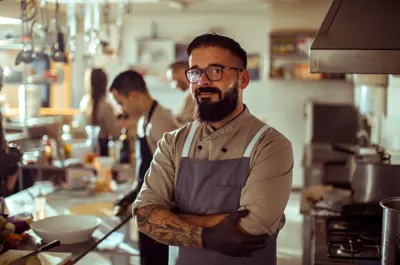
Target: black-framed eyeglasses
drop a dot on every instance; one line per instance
(213, 73)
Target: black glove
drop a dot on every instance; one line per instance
(14, 154)
(226, 238)
(11, 159)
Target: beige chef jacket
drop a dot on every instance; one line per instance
(161, 121)
(106, 118)
(186, 114)
(268, 186)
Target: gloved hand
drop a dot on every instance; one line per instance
(226, 238)
(121, 205)
(14, 154)
(11, 159)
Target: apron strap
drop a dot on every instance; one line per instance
(149, 115)
(253, 142)
(189, 139)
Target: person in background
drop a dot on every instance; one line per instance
(96, 110)
(176, 77)
(130, 91)
(10, 156)
(229, 173)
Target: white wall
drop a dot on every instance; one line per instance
(278, 102)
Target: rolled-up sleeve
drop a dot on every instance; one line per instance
(158, 186)
(268, 186)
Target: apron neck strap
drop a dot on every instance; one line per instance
(148, 118)
(253, 142)
(189, 139)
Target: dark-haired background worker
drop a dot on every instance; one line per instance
(130, 91)
(176, 77)
(229, 173)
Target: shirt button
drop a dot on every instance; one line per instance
(224, 150)
(199, 147)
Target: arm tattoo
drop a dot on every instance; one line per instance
(167, 228)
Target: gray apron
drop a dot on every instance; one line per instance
(206, 187)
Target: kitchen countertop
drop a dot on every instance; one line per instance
(319, 153)
(46, 111)
(33, 122)
(58, 203)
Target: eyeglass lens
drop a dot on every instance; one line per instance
(213, 73)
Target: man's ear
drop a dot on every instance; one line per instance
(132, 94)
(245, 78)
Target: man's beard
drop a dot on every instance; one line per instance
(207, 111)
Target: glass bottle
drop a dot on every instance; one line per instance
(92, 138)
(46, 142)
(125, 153)
(67, 141)
(40, 205)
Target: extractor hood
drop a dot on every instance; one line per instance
(358, 37)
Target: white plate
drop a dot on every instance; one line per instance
(69, 229)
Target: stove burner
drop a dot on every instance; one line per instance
(352, 246)
(340, 226)
(343, 225)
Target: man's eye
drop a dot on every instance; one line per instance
(216, 70)
(196, 72)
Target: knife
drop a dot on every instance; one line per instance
(51, 245)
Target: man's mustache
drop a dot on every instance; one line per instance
(207, 89)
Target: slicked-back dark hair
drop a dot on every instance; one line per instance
(129, 81)
(179, 64)
(215, 40)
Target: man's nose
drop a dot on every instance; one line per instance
(204, 81)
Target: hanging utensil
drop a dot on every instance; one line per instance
(58, 48)
(72, 28)
(106, 15)
(41, 29)
(120, 28)
(27, 55)
(95, 29)
(28, 9)
(87, 55)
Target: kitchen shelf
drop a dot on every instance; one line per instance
(289, 57)
(344, 81)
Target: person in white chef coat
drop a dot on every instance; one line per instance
(228, 172)
(177, 79)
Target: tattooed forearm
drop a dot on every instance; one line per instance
(167, 228)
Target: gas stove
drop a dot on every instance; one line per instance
(346, 240)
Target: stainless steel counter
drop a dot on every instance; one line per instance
(58, 203)
(316, 158)
(28, 133)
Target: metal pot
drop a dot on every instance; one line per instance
(371, 175)
(391, 231)
(373, 182)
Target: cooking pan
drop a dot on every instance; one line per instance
(378, 155)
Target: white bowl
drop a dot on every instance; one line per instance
(69, 229)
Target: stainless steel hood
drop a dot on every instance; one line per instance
(358, 37)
